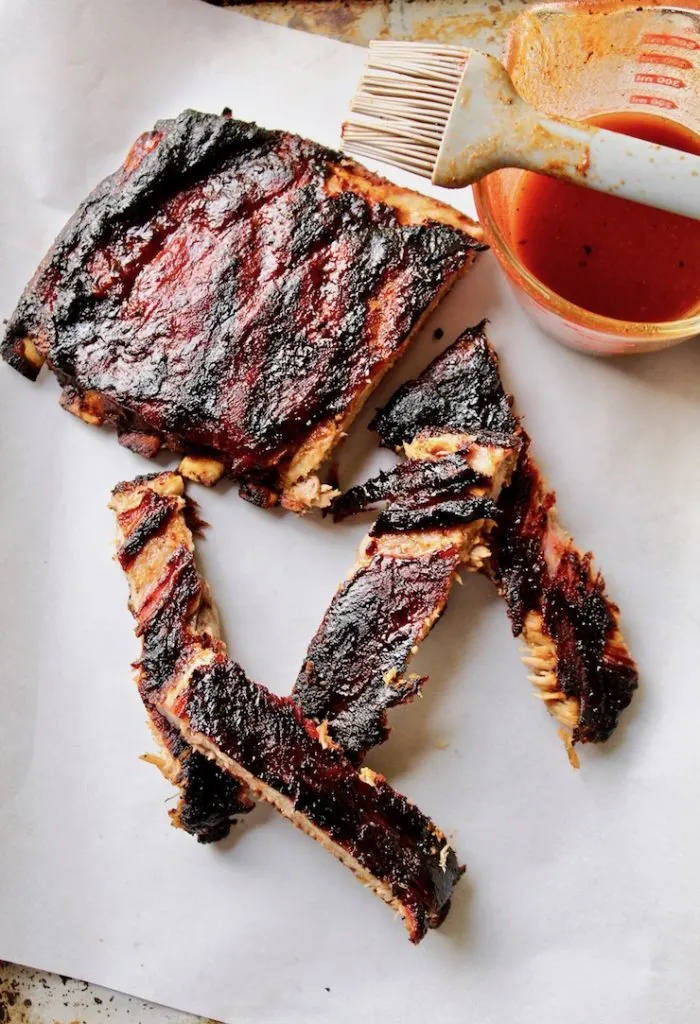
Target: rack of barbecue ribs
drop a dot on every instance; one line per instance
(580, 665)
(260, 742)
(440, 508)
(235, 294)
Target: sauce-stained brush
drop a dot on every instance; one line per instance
(453, 115)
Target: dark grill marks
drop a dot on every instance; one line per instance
(461, 389)
(421, 482)
(579, 660)
(593, 665)
(400, 518)
(437, 509)
(200, 703)
(166, 602)
(353, 671)
(423, 495)
(380, 831)
(151, 517)
(164, 622)
(216, 296)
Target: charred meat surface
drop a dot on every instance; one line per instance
(210, 801)
(440, 508)
(174, 614)
(257, 743)
(425, 493)
(235, 294)
(461, 389)
(265, 741)
(556, 600)
(578, 658)
(353, 670)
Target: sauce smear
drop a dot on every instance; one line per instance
(609, 255)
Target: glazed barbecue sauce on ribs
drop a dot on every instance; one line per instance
(217, 294)
(381, 612)
(463, 388)
(387, 835)
(210, 799)
(609, 255)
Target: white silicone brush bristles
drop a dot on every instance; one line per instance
(453, 115)
(403, 103)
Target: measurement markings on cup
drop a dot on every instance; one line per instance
(669, 60)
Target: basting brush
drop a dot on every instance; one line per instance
(453, 115)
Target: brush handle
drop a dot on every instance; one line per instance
(491, 127)
(617, 164)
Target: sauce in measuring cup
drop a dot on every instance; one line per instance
(608, 255)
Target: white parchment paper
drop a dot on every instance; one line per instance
(582, 901)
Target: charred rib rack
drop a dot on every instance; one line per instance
(579, 662)
(440, 510)
(235, 294)
(260, 742)
(174, 613)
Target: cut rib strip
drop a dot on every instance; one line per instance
(556, 600)
(235, 294)
(440, 510)
(173, 611)
(260, 741)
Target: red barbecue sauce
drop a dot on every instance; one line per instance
(609, 255)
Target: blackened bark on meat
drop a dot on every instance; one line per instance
(576, 612)
(403, 516)
(355, 665)
(229, 737)
(353, 671)
(422, 495)
(385, 834)
(518, 551)
(461, 389)
(219, 299)
(209, 799)
(422, 481)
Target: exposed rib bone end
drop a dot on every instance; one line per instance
(540, 657)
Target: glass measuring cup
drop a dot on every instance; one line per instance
(580, 60)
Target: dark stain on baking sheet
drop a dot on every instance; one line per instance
(14, 1008)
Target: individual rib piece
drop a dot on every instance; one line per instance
(441, 508)
(262, 742)
(174, 612)
(235, 294)
(578, 658)
(461, 389)
(579, 661)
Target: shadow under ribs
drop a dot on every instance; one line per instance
(440, 509)
(259, 741)
(235, 294)
(556, 600)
